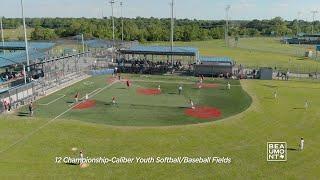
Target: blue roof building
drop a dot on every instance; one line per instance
(162, 50)
(16, 52)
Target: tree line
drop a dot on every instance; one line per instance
(158, 29)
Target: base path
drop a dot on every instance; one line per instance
(203, 112)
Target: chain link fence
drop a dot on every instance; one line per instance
(57, 73)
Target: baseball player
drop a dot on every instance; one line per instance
(301, 144)
(191, 104)
(180, 89)
(306, 105)
(114, 101)
(30, 109)
(81, 157)
(76, 97)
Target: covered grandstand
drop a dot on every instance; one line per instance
(156, 59)
(162, 59)
(162, 50)
(106, 44)
(13, 57)
(20, 57)
(15, 52)
(19, 45)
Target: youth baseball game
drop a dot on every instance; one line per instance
(127, 89)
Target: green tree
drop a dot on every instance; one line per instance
(41, 33)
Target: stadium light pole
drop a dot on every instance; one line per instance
(82, 39)
(113, 38)
(226, 34)
(172, 27)
(121, 5)
(25, 36)
(102, 15)
(298, 22)
(313, 19)
(24, 74)
(112, 3)
(2, 37)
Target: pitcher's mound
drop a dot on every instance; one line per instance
(85, 104)
(148, 91)
(203, 112)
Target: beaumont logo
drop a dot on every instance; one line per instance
(276, 151)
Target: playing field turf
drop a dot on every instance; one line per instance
(29, 146)
(135, 109)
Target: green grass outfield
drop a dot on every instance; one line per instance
(29, 154)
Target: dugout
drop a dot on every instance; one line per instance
(214, 66)
(156, 59)
(265, 73)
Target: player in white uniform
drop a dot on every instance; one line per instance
(192, 104)
(159, 88)
(115, 72)
(180, 89)
(229, 86)
(306, 104)
(200, 82)
(87, 96)
(275, 94)
(301, 144)
(76, 97)
(81, 158)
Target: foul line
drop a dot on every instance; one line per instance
(49, 122)
(62, 96)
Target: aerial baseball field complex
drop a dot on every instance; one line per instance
(124, 110)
